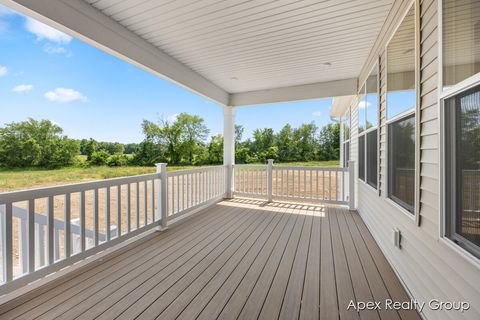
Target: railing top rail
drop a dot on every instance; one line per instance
(250, 166)
(313, 168)
(187, 171)
(277, 167)
(43, 192)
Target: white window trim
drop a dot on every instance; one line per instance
(377, 127)
(444, 94)
(415, 215)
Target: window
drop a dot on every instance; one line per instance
(346, 138)
(372, 158)
(361, 157)
(362, 111)
(462, 138)
(372, 99)
(461, 61)
(402, 161)
(346, 126)
(461, 40)
(367, 127)
(346, 158)
(401, 102)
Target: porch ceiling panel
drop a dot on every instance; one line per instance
(251, 45)
(231, 51)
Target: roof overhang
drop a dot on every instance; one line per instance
(295, 93)
(340, 105)
(219, 74)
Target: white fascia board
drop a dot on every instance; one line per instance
(296, 93)
(82, 21)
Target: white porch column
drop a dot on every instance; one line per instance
(229, 146)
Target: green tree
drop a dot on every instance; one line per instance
(89, 148)
(262, 139)
(36, 143)
(215, 149)
(194, 132)
(305, 142)
(286, 143)
(329, 142)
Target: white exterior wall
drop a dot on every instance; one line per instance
(429, 266)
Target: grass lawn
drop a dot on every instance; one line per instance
(17, 179)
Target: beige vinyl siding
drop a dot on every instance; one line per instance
(428, 266)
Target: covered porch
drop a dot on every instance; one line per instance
(237, 259)
(257, 241)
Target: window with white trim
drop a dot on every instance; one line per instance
(361, 157)
(346, 138)
(461, 113)
(401, 102)
(461, 40)
(367, 127)
(462, 151)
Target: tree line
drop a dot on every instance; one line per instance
(183, 141)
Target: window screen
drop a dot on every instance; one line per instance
(362, 111)
(461, 40)
(372, 158)
(401, 149)
(361, 157)
(462, 186)
(371, 99)
(346, 126)
(346, 153)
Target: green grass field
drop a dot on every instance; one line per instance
(18, 179)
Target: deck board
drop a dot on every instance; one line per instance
(240, 259)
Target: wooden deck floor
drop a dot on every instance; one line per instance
(239, 260)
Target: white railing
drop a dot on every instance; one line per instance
(40, 230)
(311, 184)
(250, 180)
(46, 229)
(188, 189)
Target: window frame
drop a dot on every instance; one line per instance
(365, 132)
(400, 203)
(377, 156)
(343, 140)
(415, 215)
(444, 94)
(451, 203)
(364, 137)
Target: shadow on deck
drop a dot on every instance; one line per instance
(239, 259)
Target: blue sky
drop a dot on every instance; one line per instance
(45, 74)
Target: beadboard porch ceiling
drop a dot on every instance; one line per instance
(235, 52)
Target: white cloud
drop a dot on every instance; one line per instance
(3, 71)
(317, 114)
(57, 50)
(172, 117)
(64, 95)
(42, 31)
(362, 104)
(23, 88)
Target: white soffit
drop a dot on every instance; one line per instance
(251, 45)
(228, 50)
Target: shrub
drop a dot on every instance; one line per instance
(117, 160)
(99, 158)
